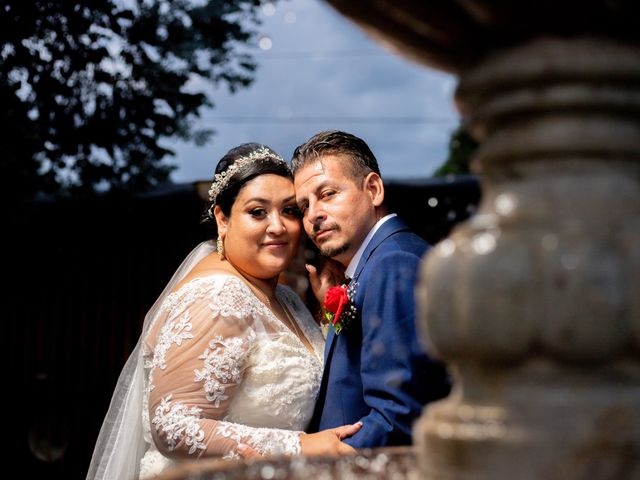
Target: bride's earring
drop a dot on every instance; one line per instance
(220, 247)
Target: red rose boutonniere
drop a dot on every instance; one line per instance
(337, 308)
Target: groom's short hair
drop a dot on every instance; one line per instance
(335, 142)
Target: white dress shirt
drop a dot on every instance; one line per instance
(351, 268)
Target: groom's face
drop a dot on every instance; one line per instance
(337, 212)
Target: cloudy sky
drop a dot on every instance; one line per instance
(318, 71)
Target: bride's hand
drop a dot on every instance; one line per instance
(329, 274)
(329, 442)
(326, 442)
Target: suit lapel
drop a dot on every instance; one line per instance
(331, 336)
(319, 407)
(387, 229)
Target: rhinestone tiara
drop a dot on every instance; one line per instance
(220, 180)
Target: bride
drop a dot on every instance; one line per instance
(229, 360)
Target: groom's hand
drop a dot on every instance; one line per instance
(329, 274)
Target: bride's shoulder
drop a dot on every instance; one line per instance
(208, 279)
(208, 272)
(205, 286)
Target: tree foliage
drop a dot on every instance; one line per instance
(461, 148)
(89, 89)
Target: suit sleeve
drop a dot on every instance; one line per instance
(397, 377)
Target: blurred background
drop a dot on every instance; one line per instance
(114, 116)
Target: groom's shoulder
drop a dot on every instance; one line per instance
(402, 248)
(399, 236)
(407, 241)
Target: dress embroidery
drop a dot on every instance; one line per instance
(223, 361)
(177, 421)
(265, 441)
(172, 332)
(253, 380)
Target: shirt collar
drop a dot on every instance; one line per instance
(351, 268)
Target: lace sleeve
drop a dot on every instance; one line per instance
(199, 360)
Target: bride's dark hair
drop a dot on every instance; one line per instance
(264, 160)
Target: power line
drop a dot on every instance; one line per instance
(353, 120)
(306, 55)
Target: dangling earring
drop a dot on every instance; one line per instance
(220, 247)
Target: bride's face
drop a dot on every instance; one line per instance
(263, 229)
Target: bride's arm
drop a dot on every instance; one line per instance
(199, 363)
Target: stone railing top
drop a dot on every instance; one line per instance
(453, 35)
(380, 463)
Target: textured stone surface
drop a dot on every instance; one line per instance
(388, 463)
(534, 301)
(454, 35)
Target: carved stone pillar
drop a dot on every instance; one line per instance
(535, 302)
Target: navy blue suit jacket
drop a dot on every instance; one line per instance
(375, 370)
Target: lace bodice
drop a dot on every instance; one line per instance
(222, 369)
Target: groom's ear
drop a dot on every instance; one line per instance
(221, 220)
(374, 187)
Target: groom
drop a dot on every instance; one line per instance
(375, 371)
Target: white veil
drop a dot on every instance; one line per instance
(121, 445)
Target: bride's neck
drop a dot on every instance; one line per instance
(266, 286)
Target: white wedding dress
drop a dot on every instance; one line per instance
(215, 368)
(224, 370)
